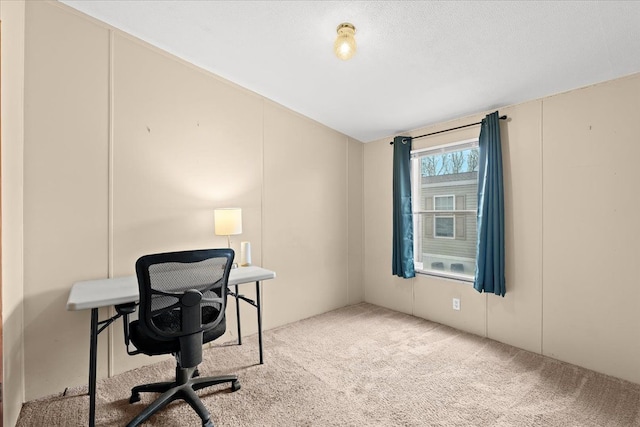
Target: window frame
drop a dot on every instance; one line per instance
(420, 214)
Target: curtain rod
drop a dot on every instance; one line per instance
(448, 130)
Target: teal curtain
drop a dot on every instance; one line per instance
(489, 275)
(402, 261)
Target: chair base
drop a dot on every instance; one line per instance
(184, 388)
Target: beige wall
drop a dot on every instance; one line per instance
(65, 197)
(315, 182)
(183, 143)
(128, 151)
(12, 15)
(571, 236)
(591, 148)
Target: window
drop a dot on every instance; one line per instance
(444, 184)
(443, 203)
(444, 226)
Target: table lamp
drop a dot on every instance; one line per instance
(227, 222)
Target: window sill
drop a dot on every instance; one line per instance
(447, 275)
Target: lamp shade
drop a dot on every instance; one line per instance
(227, 221)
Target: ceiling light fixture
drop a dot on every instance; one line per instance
(345, 45)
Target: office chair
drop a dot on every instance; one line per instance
(183, 296)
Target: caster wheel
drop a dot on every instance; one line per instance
(235, 385)
(207, 423)
(135, 397)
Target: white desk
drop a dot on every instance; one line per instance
(93, 294)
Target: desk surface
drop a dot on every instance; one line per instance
(120, 290)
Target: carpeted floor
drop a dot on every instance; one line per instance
(368, 366)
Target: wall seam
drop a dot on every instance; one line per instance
(362, 228)
(413, 295)
(22, 90)
(110, 337)
(542, 226)
(262, 190)
(486, 315)
(348, 234)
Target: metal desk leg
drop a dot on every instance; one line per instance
(259, 309)
(93, 350)
(238, 315)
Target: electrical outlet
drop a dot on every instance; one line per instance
(456, 303)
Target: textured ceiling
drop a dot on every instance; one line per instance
(418, 62)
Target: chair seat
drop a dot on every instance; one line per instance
(153, 347)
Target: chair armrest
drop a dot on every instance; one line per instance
(125, 310)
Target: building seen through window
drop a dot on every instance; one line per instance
(445, 195)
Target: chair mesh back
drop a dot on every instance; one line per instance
(166, 280)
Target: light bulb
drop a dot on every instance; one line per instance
(345, 45)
